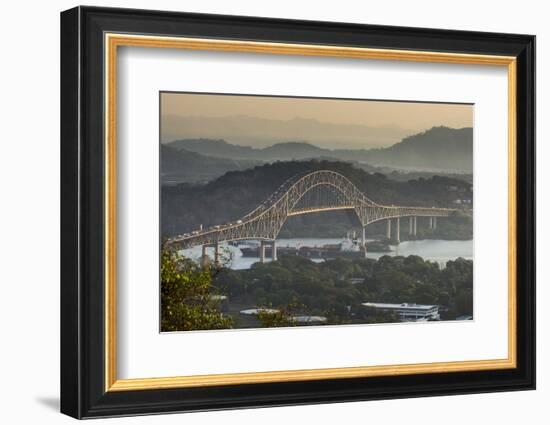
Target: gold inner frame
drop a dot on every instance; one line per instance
(113, 41)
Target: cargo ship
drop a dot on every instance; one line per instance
(349, 247)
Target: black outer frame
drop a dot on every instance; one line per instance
(82, 212)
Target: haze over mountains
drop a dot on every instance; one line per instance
(439, 149)
(180, 165)
(263, 132)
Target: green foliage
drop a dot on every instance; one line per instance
(326, 288)
(188, 297)
(282, 316)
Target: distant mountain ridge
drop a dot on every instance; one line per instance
(180, 165)
(439, 148)
(262, 132)
(217, 148)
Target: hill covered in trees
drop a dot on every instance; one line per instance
(184, 207)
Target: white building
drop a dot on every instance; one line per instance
(256, 311)
(407, 312)
(309, 319)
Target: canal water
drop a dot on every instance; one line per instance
(436, 250)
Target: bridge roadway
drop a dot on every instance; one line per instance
(317, 191)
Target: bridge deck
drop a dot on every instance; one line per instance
(315, 192)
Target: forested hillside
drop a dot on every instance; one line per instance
(228, 198)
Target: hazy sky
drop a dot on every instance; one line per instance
(388, 121)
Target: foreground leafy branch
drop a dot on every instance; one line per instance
(188, 298)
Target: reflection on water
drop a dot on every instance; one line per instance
(430, 249)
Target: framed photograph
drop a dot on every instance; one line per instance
(261, 212)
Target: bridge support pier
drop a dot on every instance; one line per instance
(431, 223)
(204, 256)
(274, 251)
(364, 240)
(262, 252)
(434, 224)
(410, 226)
(397, 229)
(388, 228)
(217, 253)
(414, 226)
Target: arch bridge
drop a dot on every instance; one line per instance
(317, 191)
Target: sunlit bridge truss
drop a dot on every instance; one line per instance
(317, 191)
